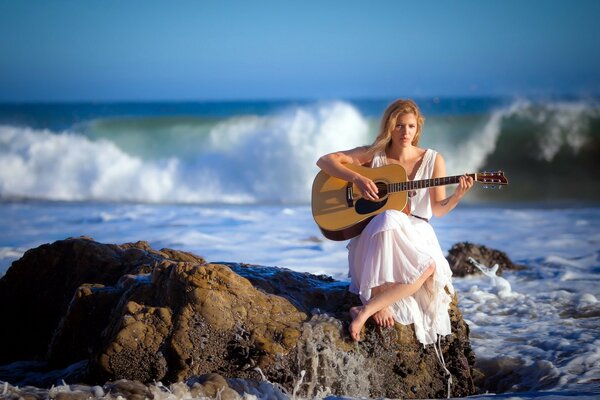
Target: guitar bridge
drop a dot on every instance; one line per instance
(350, 195)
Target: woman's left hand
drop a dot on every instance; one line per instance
(465, 183)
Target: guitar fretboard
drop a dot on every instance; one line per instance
(424, 183)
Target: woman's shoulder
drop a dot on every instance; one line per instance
(425, 153)
(360, 155)
(432, 157)
(362, 150)
(428, 152)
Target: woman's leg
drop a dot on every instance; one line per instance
(383, 317)
(391, 294)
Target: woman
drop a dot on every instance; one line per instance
(396, 264)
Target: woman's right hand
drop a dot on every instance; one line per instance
(368, 189)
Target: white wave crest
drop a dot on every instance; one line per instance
(274, 157)
(470, 156)
(554, 126)
(245, 159)
(560, 124)
(41, 164)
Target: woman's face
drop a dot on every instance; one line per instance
(405, 130)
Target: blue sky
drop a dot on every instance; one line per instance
(225, 50)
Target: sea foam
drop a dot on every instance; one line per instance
(243, 160)
(270, 158)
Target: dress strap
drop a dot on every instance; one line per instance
(379, 160)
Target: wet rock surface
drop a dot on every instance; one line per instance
(458, 258)
(130, 314)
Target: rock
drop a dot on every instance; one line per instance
(140, 315)
(41, 284)
(188, 319)
(310, 293)
(211, 386)
(459, 254)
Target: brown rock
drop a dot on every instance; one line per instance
(78, 331)
(169, 316)
(211, 386)
(191, 328)
(458, 258)
(37, 289)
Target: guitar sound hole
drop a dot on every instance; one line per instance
(363, 206)
(382, 187)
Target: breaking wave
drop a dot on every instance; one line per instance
(240, 159)
(271, 158)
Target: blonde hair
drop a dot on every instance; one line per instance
(388, 123)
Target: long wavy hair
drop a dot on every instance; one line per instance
(388, 123)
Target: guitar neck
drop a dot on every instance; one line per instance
(426, 183)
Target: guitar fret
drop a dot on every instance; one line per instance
(422, 184)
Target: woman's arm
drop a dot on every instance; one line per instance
(440, 204)
(333, 165)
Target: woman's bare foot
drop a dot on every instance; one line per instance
(384, 317)
(359, 317)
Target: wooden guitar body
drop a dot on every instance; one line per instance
(338, 207)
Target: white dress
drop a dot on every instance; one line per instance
(397, 248)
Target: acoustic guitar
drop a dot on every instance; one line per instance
(341, 213)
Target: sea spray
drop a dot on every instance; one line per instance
(126, 389)
(330, 369)
(501, 286)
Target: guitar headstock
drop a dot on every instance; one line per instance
(491, 179)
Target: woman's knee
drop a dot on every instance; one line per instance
(429, 271)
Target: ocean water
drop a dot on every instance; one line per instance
(231, 182)
(232, 153)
